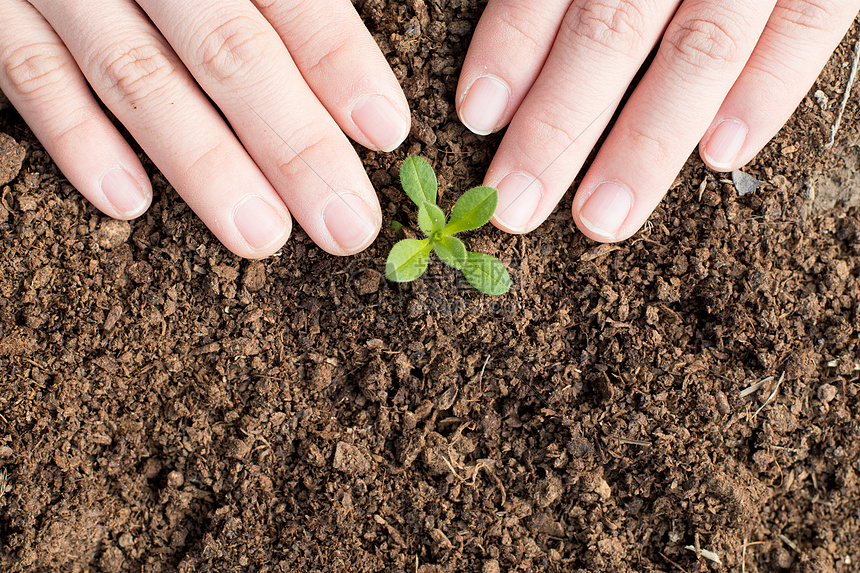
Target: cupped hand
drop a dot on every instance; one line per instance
(290, 77)
(727, 75)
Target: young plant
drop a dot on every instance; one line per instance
(409, 258)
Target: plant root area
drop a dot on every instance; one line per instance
(685, 397)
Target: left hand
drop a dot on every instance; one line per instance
(727, 75)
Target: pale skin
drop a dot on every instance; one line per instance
(300, 76)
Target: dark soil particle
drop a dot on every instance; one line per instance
(165, 406)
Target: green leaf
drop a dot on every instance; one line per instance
(407, 260)
(473, 210)
(431, 218)
(487, 274)
(396, 226)
(452, 251)
(418, 180)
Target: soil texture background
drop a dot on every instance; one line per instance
(165, 406)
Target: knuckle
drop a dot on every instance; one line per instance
(32, 68)
(135, 71)
(316, 61)
(264, 4)
(232, 49)
(817, 15)
(703, 44)
(547, 125)
(301, 156)
(520, 26)
(611, 24)
(646, 145)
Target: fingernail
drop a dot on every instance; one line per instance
(350, 222)
(607, 209)
(125, 193)
(380, 122)
(259, 223)
(519, 197)
(484, 106)
(723, 147)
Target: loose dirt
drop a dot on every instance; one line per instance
(165, 406)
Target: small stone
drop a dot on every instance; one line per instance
(126, 540)
(602, 489)
(826, 393)
(491, 566)
(12, 156)
(5, 452)
(723, 406)
(113, 233)
(112, 318)
(821, 99)
(175, 479)
(745, 184)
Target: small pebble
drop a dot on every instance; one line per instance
(745, 184)
(175, 479)
(827, 393)
(113, 233)
(722, 403)
(126, 540)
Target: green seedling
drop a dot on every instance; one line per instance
(409, 258)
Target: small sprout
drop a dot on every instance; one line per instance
(409, 258)
(396, 226)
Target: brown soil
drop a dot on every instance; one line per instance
(165, 406)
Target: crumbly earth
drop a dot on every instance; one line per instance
(165, 406)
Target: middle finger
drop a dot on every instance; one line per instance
(241, 62)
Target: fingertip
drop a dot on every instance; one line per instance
(352, 223)
(603, 214)
(263, 228)
(721, 147)
(484, 104)
(382, 123)
(127, 195)
(520, 196)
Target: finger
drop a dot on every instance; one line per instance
(701, 55)
(140, 79)
(344, 66)
(601, 46)
(508, 50)
(41, 79)
(798, 40)
(239, 60)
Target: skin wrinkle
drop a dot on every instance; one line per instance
(517, 23)
(135, 72)
(233, 50)
(816, 16)
(296, 163)
(702, 44)
(656, 146)
(619, 27)
(34, 65)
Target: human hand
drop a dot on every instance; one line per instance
(299, 70)
(727, 75)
